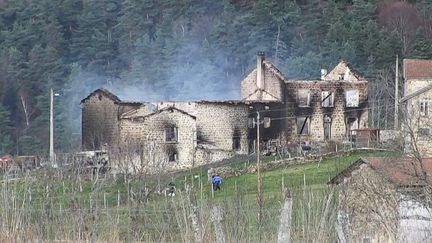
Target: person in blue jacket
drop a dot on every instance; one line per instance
(216, 181)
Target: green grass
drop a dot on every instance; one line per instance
(314, 175)
(41, 201)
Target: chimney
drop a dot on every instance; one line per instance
(260, 71)
(323, 73)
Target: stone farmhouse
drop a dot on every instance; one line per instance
(416, 118)
(385, 200)
(185, 134)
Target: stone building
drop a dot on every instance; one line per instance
(315, 110)
(185, 134)
(385, 200)
(416, 118)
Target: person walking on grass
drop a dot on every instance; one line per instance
(216, 181)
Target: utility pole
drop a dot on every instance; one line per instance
(51, 145)
(51, 141)
(259, 179)
(396, 115)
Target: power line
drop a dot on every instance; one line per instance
(324, 113)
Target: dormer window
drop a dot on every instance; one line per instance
(303, 98)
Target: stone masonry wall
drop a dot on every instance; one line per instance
(218, 123)
(248, 84)
(371, 204)
(99, 122)
(149, 132)
(341, 70)
(417, 122)
(338, 113)
(272, 85)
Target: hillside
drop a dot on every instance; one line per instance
(70, 206)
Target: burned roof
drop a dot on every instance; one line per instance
(104, 92)
(417, 69)
(276, 99)
(169, 108)
(236, 102)
(132, 103)
(403, 172)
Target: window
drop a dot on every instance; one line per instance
(327, 99)
(303, 98)
(171, 134)
(267, 122)
(352, 98)
(251, 122)
(424, 108)
(172, 157)
(352, 123)
(423, 131)
(303, 125)
(327, 127)
(236, 145)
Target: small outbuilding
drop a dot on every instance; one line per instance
(385, 200)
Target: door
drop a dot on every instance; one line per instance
(327, 127)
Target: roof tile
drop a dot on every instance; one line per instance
(417, 69)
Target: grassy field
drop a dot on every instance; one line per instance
(315, 175)
(54, 204)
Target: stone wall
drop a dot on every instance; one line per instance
(219, 122)
(417, 124)
(210, 137)
(338, 113)
(204, 155)
(371, 204)
(248, 85)
(342, 71)
(150, 131)
(272, 90)
(99, 122)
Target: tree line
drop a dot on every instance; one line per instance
(165, 49)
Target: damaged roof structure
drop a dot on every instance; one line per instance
(185, 134)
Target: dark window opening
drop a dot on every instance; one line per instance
(172, 157)
(303, 125)
(267, 122)
(327, 127)
(424, 108)
(423, 131)
(236, 144)
(303, 98)
(251, 122)
(171, 134)
(327, 99)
